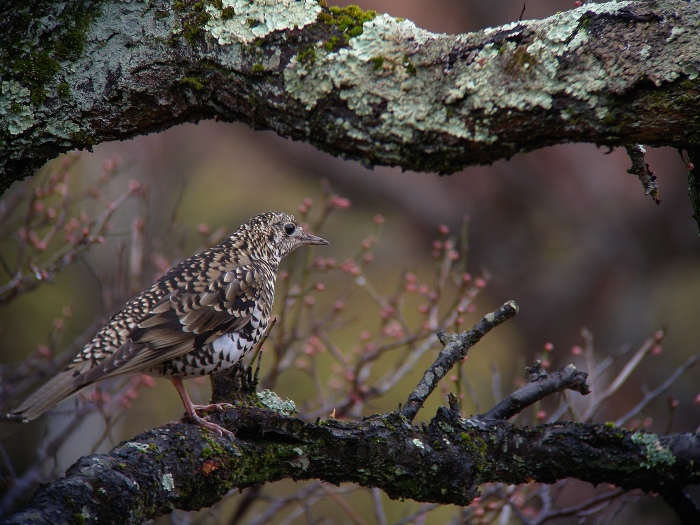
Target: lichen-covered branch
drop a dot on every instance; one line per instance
(185, 467)
(365, 86)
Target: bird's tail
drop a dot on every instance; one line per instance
(62, 386)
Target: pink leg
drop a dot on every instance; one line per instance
(191, 410)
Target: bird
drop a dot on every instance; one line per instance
(202, 316)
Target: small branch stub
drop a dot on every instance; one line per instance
(641, 169)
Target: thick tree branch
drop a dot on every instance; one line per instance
(182, 466)
(383, 92)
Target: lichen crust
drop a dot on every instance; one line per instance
(254, 19)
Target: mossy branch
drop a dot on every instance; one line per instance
(181, 466)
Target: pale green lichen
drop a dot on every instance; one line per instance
(656, 453)
(244, 21)
(276, 403)
(141, 447)
(16, 114)
(675, 32)
(64, 129)
(167, 482)
(399, 75)
(399, 83)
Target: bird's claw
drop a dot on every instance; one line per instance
(211, 426)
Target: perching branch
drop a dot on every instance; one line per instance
(356, 84)
(183, 466)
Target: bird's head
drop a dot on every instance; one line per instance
(276, 235)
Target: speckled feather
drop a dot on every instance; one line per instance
(202, 316)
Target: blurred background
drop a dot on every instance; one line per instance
(565, 231)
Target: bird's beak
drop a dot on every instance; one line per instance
(307, 238)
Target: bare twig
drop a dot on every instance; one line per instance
(455, 348)
(624, 374)
(540, 385)
(692, 361)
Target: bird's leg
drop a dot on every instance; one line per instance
(191, 410)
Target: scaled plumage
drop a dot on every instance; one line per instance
(202, 316)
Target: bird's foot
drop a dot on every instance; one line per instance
(219, 407)
(217, 429)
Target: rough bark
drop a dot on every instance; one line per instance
(367, 87)
(183, 466)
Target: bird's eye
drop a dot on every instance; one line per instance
(289, 228)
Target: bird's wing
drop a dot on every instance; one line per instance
(182, 321)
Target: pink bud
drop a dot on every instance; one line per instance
(340, 202)
(43, 351)
(134, 186)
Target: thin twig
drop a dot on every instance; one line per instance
(692, 361)
(540, 385)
